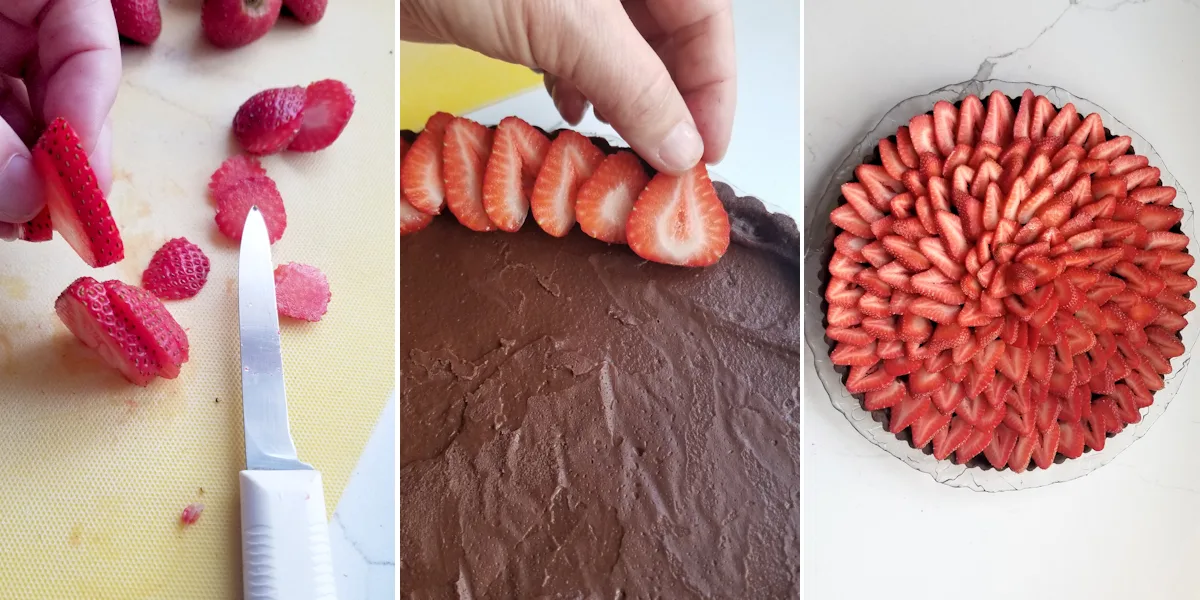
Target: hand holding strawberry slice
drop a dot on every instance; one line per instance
(679, 220)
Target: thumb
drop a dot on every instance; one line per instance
(609, 62)
(21, 196)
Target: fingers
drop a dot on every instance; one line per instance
(79, 66)
(567, 99)
(703, 63)
(22, 190)
(597, 49)
(8, 232)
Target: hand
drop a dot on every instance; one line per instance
(662, 72)
(58, 58)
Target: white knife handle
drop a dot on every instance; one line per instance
(285, 537)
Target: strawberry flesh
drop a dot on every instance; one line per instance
(679, 220)
(301, 291)
(328, 106)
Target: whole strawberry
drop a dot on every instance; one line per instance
(138, 20)
(235, 23)
(270, 120)
(306, 11)
(178, 270)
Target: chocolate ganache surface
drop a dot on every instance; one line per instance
(578, 422)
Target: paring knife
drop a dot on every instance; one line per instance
(285, 536)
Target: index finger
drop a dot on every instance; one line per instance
(704, 65)
(79, 64)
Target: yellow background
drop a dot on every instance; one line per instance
(94, 471)
(447, 78)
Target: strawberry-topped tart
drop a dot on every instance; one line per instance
(1008, 281)
(581, 414)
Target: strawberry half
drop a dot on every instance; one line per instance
(679, 220)
(156, 328)
(518, 151)
(234, 202)
(606, 199)
(76, 206)
(178, 270)
(421, 179)
(570, 161)
(301, 291)
(464, 160)
(328, 106)
(269, 120)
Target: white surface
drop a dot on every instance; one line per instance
(363, 530)
(874, 526)
(765, 148)
(285, 537)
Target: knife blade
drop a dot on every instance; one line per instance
(269, 444)
(285, 535)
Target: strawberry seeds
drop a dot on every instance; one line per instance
(1007, 281)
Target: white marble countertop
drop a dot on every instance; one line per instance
(873, 525)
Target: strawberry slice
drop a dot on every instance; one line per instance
(976, 441)
(927, 426)
(40, 229)
(328, 106)
(874, 306)
(951, 438)
(1111, 149)
(868, 378)
(893, 163)
(1072, 437)
(1047, 446)
(904, 146)
(411, 219)
(1159, 218)
(970, 120)
(86, 310)
(518, 151)
(920, 128)
(235, 201)
(999, 451)
(843, 316)
(1153, 195)
(891, 395)
(570, 161)
(76, 206)
(154, 325)
(907, 412)
(906, 252)
(923, 383)
(235, 169)
(269, 120)
(301, 291)
(998, 124)
(422, 182)
(606, 199)
(890, 349)
(1023, 451)
(465, 152)
(945, 126)
(679, 220)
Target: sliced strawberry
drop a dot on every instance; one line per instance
(882, 328)
(928, 425)
(235, 169)
(154, 326)
(606, 199)
(1023, 450)
(923, 137)
(934, 311)
(411, 219)
(1072, 437)
(235, 201)
(570, 160)
(890, 395)
(893, 163)
(679, 220)
(889, 349)
(1144, 177)
(951, 438)
(465, 154)
(1111, 149)
(907, 412)
(906, 253)
(40, 229)
(999, 451)
(945, 126)
(518, 151)
(881, 188)
(1154, 195)
(86, 310)
(970, 120)
(935, 285)
(904, 146)
(843, 267)
(77, 208)
(1159, 218)
(922, 382)
(843, 316)
(849, 244)
(874, 306)
(976, 441)
(1127, 163)
(867, 378)
(328, 106)
(177, 270)
(301, 291)
(269, 120)
(421, 179)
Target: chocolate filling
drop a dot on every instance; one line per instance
(578, 422)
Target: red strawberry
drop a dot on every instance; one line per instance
(1159, 218)
(880, 186)
(138, 20)
(233, 170)
(518, 151)
(234, 203)
(465, 153)
(906, 253)
(77, 208)
(890, 349)
(976, 441)
(886, 397)
(867, 378)
(907, 412)
(421, 180)
(1024, 115)
(970, 120)
(904, 146)
(86, 310)
(922, 382)
(235, 23)
(1047, 447)
(933, 310)
(1127, 163)
(154, 325)
(178, 270)
(935, 285)
(270, 119)
(301, 291)
(328, 106)
(411, 219)
(999, 451)
(843, 267)
(921, 130)
(843, 316)
(945, 126)
(998, 125)
(914, 328)
(893, 163)
(606, 199)
(1153, 195)
(1023, 451)
(570, 161)
(679, 220)
(843, 293)
(40, 229)
(855, 336)
(1111, 149)
(927, 426)
(306, 11)
(950, 438)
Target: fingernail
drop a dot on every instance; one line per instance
(682, 148)
(8, 232)
(22, 192)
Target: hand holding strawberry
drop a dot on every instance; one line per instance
(78, 71)
(662, 72)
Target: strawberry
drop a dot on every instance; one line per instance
(233, 170)
(890, 349)
(935, 285)
(1111, 149)
(177, 270)
(138, 21)
(945, 126)
(1024, 115)
(867, 378)
(914, 328)
(880, 186)
(1144, 177)
(40, 229)
(951, 438)
(843, 293)
(421, 180)
(1127, 163)
(301, 291)
(411, 219)
(235, 23)
(886, 397)
(855, 336)
(882, 328)
(518, 151)
(234, 202)
(904, 147)
(854, 355)
(465, 153)
(1159, 218)
(906, 253)
(154, 325)
(307, 12)
(86, 310)
(999, 451)
(921, 130)
(947, 398)
(923, 383)
(927, 426)
(970, 120)
(998, 124)
(191, 513)
(843, 267)
(328, 106)
(270, 119)
(907, 412)
(869, 279)
(893, 163)
(843, 316)
(679, 220)
(570, 161)
(1153, 195)
(857, 197)
(76, 206)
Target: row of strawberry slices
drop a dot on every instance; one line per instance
(494, 179)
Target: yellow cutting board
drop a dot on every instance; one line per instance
(450, 79)
(94, 471)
